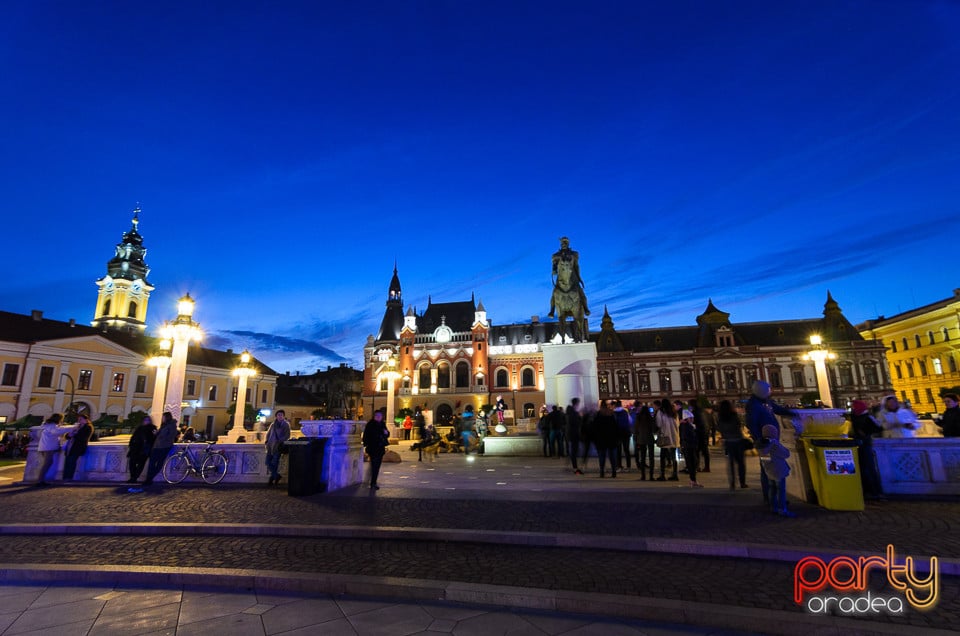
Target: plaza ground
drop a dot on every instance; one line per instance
(461, 545)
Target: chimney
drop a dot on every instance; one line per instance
(535, 319)
(229, 352)
(73, 322)
(36, 314)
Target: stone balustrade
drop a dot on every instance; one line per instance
(106, 461)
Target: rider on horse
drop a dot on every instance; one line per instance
(572, 257)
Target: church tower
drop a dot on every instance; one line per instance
(124, 291)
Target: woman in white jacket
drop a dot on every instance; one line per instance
(668, 438)
(49, 444)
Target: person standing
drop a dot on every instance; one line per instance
(574, 422)
(688, 444)
(138, 449)
(421, 423)
(774, 456)
(468, 422)
(277, 434)
(624, 433)
(897, 421)
(164, 441)
(863, 428)
(950, 420)
(49, 444)
(375, 439)
(762, 411)
(78, 446)
(701, 420)
(731, 431)
(643, 427)
(605, 436)
(558, 422)
(668, 437)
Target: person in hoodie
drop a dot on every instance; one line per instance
(773, 458)
(762, 411)
(897, 420)
(49, 444)
(467, 423)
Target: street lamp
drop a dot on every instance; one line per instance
(160, 360)
(181, 331)
(391, 375)
(242, 372)
(73, 394)
(820, 354)
(515, 403)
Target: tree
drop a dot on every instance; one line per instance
(249, 413)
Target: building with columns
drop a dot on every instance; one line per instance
(102, 369)
(923, 349)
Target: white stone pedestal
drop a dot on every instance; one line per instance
(569, 371)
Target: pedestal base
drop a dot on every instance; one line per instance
(569, 371)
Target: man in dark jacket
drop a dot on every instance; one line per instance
(166, 437)
(761, 411)
(558, 422)
(375, 439)
(863, 428)
(138, 449)
(950, 420)
(606, 437)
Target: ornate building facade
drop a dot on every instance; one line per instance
(719, 359)
(451, 355)
(124, 290)
(923, 350)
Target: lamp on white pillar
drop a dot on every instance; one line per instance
(820, 354)
(181, 331)
(161, 361)
(391, 375)
(242, 372)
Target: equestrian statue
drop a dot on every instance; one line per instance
(568, 299)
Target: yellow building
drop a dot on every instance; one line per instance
(923, 350)
(47, 365)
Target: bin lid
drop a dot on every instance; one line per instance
(835, 443)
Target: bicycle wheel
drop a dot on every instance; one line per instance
(214, 468)
(176, 467)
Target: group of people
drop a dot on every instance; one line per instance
(49, 445)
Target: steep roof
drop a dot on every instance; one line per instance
(457, 315)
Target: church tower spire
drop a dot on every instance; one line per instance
(392, 322)
(124, 291)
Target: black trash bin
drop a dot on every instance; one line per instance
(305, 466)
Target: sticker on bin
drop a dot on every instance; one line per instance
(839, 461)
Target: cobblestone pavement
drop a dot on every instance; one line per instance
(516, 496)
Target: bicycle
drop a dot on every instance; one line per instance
(212, 468)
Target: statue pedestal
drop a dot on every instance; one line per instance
(569, 371)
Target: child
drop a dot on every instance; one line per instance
(773, 456)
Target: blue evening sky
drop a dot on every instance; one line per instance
(286, 154)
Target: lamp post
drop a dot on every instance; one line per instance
(181, 331)
(161, 360)
(242, 372)
(391, 374)
(515, 404)
(820, 354)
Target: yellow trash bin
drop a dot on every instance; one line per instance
(835, 472)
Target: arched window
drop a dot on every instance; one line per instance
(930, 336)
(463, 374)
(132, 310)
(893, 346)
(666, 382)
(443, 376)
(952, 364)
(106, 307)
(424, 377)
(503, 378)
(916, 338)
(643, 381)
(527, 378)
(946, 334)
(906, 347)
(623, 382)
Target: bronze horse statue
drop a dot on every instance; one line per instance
(567, 302)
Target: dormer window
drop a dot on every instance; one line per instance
(443, 334)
